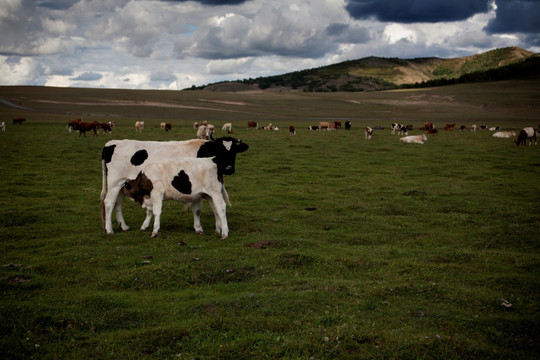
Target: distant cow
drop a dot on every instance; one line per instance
(348, 125)
(504, 134)
(205, 132)
(368, 132)
(414, 139)
(139, 126)
(189, 180)
(18, 121)
(432, 131)
(399, 127)
(3, 126)
(326, 125)
(106, 127)
(427, 126)
(292, 130)
(124, 159)
(474, 127)
(337, 125)
(494, 128)
(253, 124)
(462, 128)
(524, 134)
(313, 127)
(449, 127)
(227, 127)
(84, 126)
(71, 124)
(167, 126)
(483, 126)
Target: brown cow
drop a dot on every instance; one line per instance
(253, 124)
(449, 127)
(292, 130)
(71, 124)
(83, 127)
(106, 127)
(18, 121)
(167, 126)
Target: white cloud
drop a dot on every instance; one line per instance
(170, 44)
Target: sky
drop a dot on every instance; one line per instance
(173, 45)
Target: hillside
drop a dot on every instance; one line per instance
(376, 73)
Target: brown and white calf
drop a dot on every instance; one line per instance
(369, 133)
(414, 139)
(124, 159)
(167, 126)
(524, 134)
(188, 180)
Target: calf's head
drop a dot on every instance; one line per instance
(224, 151)
(139, 188)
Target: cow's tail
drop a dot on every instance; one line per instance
(225, 195)
(103, 191)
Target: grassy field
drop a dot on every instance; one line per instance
(339, 248)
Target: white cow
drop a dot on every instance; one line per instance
(3, 126)
(124, 159)
(187, 180)
(414, 139)
(206, 132)
(504, 134)
(227, 127)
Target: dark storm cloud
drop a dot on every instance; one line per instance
(213, 2)
(87, 76)
(411, 11)
(516, 16)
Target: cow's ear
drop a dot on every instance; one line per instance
(241, 147)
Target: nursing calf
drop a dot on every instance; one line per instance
(188, 180)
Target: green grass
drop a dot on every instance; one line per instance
(339, 248)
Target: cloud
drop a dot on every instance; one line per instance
(516, 16)
(87, 76)
(412, 11)
(285, 28)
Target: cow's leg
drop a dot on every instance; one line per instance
(216, 215)
(157, 203)
(196, 207)
(118, 212)
(113, 201)
(220, 213)
(146, 222)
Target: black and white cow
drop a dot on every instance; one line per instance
(188, 180)
(399, 127)
(124, 159)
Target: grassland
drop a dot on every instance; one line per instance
(339, 248)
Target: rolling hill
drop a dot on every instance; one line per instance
(376, 73)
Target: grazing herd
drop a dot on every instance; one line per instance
(151, 172)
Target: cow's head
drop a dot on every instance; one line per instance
(224, 150)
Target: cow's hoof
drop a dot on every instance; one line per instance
(224, 237)
(126, 229)
(200, 232)
(153, 235)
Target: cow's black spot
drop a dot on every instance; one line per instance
(181, 182)
(139, 157)
(107, 153)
